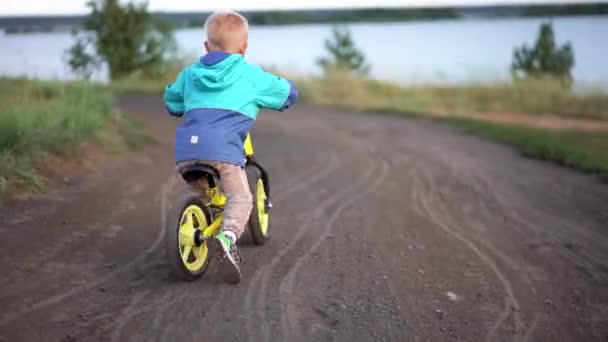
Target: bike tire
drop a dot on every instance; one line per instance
(259, 220)
(172, 235)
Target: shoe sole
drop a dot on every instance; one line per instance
(229, 270)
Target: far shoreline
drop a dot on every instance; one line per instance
(20, 24)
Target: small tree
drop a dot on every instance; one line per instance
(545, 58)
(82, 62)
(343, 53)
(125, 36)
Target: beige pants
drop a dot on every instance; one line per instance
(233, 183)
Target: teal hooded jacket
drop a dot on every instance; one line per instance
(219, 98)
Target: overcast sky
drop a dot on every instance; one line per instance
(46, 7)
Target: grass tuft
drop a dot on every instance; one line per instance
(39, 118)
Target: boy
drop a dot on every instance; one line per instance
(220, 97)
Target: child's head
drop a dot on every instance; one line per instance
(227, 31)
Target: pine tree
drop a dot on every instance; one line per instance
(545, 58)
(343, 53)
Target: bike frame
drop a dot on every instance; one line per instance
(218, 199)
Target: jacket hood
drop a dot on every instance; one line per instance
(217, 70)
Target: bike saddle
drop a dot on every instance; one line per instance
(193, 173)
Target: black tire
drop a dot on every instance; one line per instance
(255, 228)
(172, 237)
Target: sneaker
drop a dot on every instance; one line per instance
(228, 255)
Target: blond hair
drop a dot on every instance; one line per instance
(226, 30)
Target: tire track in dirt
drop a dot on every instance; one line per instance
(428, 204)
(262, 278)
(321, 168)
(531, 233)
(527, 335)
(166, 189)
(481, 185)
(300, 184)
(42, 256)
(58, 298)
(289, 321)
(486, 195)
(562, 230)
(117, 325)
(328, 169)
(133, 303)
(320, 174)
(167, 334)
(294, 184)
(492, 185)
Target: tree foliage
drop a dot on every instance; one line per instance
(544, 58)
(343, 54)
(80, 59)
(124, 36)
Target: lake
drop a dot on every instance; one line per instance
(447, 52)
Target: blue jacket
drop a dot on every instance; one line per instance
(219, 98)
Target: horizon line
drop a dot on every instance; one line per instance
(301, 7)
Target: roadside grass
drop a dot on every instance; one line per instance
(585, 151)
(343, 89)
(43, 118)
(136, 85)
(140, 82)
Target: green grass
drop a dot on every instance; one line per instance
(39, 118)
(525, 97)
(586, 151)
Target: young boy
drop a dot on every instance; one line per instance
(219, 97)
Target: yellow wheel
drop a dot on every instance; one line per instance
(187, 251)
(259, 220)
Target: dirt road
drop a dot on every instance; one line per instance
(384, 230)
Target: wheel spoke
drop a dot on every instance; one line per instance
(191, 220)
(186, 253)
(184, 237)
(189, 224)
(197, 252)
(186, 231)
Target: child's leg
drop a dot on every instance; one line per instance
(199, 186)
(239, 201)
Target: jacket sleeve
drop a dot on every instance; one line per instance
(274, 92)
(174, 96)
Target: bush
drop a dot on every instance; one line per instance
(125, 36)
(545, 59)
(343, 53)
